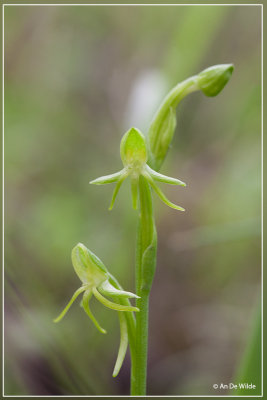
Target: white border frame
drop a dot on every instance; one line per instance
(132, 5)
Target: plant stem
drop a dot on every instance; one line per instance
(145, 268)
(147, 236)
(163, 125)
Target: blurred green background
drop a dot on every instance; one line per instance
(76, 78)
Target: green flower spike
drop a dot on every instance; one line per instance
(97, 281)
(133, 152)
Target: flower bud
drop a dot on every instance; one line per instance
(213, 79)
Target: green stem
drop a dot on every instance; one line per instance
(145, 268)
(163, 125)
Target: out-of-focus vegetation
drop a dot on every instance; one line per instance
(76, 78)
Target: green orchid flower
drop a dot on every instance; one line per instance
(97, 281)
(133, 151)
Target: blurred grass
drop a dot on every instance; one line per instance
(250, 366)
(70, 73)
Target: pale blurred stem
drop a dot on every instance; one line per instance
(250, 367)
(145, 267)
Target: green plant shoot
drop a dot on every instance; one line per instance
(142, 157)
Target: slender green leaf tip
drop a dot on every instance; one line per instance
(133, 148)
(212, 80)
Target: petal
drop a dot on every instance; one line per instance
(110, 304)
(117, 188)
(163, 178)
(107, 289)
(161, 195)
(74, 297)
(108, 178)
(86, 298)
(123, 344)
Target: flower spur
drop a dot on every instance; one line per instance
(97, 281)
(133, 151)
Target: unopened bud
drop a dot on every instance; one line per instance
(213, 79)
